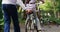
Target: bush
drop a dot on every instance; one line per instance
(1, 25)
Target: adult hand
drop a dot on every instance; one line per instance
(28, 11)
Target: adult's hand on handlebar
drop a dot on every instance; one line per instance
(28, 11)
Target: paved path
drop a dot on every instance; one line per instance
(53, 28)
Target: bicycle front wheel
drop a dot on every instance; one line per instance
(28, 26)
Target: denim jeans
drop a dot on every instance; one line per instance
(10, 11)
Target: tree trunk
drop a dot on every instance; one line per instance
(58, 14)
(55, 14)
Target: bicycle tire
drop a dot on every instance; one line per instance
(28, 24)
(36, 28)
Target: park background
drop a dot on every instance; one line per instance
(50, 9)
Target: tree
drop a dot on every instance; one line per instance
(51, 5)
(0, 11)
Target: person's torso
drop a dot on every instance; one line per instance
(31, 5)
(9, 2)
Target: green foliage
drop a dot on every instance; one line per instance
(47, 6)
(0, 11)
(1, 17)
(50, 6)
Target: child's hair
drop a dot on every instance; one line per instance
(27, 1)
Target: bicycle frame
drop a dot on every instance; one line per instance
(33, 17)
(33, 20)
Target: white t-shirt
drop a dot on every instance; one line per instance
(9, 2)
(31, 6)
(14, 2)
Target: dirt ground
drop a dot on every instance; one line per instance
(51, 28)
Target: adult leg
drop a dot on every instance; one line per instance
(14, 15)
(6, 19)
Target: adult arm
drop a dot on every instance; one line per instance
(21, 4)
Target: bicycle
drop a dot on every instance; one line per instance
(32, 23)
